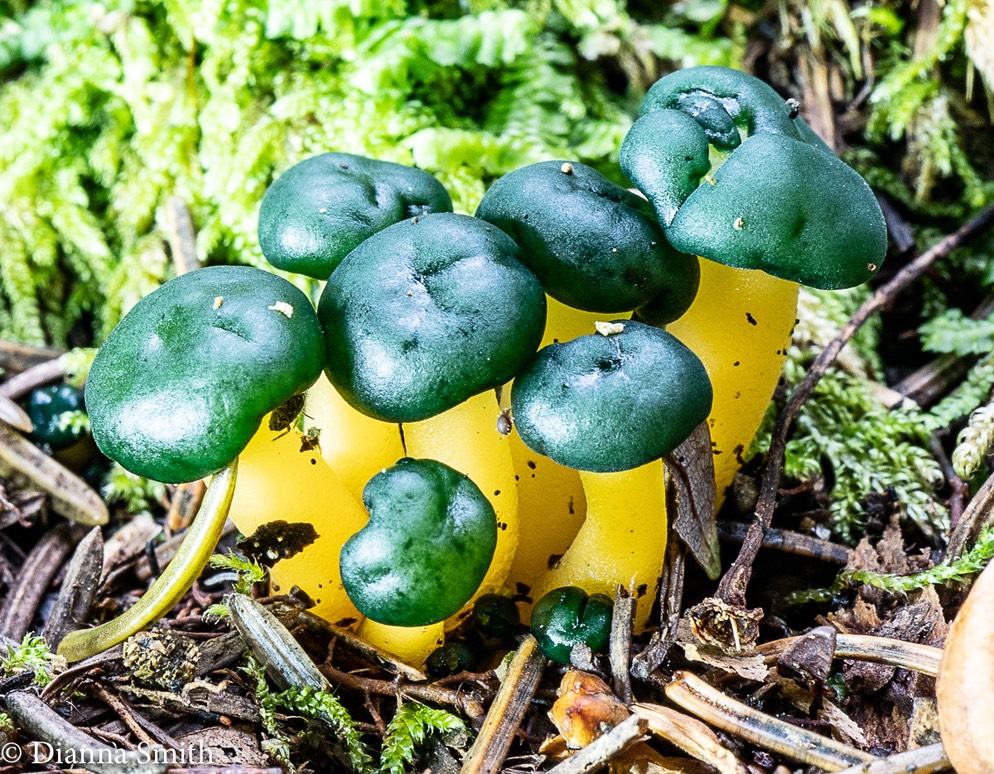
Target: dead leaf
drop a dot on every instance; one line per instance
(586, 709)
(690, 496)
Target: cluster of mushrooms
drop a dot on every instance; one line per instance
(435, 330)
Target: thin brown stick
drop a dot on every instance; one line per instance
(507, 711)
(40, 567)
(599, 753)
(79, 586)
(16, 357)
(923, 760)
(695, 696)
(864, 647)
(620, 646)
(462, 701)
(36, 376)
(732, 588)
(789, 542)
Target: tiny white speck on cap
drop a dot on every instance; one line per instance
(608, 329)
(283, 308)
(218, 300)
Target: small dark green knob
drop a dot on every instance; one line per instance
(593, 244)
(48, 406)
(496, 617)
(566, 617)
(428, 313)
(182, 383)
(322, 208)
(428, 545)
(611, 403)
(451, 659)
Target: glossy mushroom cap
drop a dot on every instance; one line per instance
(736, 176)
(594, 245)
(428, 313)
(429, 542)
(611, 403)
(182, 383)
(319, 210)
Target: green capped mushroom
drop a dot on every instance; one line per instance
(181, 384)
(428, 544)
(322, 208)
(428, 313)
(611, 405)
(52, 409)
(737, 176)
(567, 617)
(594, 245)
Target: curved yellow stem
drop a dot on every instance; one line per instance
(280, 481)
(622, 541)
(466, 438)
(174, 581)
(739, 326)
(356, 446)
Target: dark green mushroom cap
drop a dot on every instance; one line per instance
(428, 313)
(567, 617)
(736, 176)
(593, 245)
(48, 408)
(319, 210)
(182, 383)
(428, 545)
(611, 403)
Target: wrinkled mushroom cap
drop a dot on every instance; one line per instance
(428, 313)
(428, 545)
(320, 209)
(182, 383)
(594, 245)
(611, 403)
(737, 177)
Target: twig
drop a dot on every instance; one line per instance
(602, 750)
(620, 647)
(72, 606)
(14, 415)
(789, 542)
(286, 662)
(923, 760)
(732, 588)
(351, 642)
(715, 708)
(460, 700)
(691, 736)
(507, 711)
(36, 376)
(978, 514)
(40, 567)
(864, 647)
(71, 496)
(671, 607)
(20, 357)
(184, 505)
(182, 237)
(43, 723)
(123, 711)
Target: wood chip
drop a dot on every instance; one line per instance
(690, 498)
(488, 752)
(79, 586)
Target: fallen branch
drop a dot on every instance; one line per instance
(732, 588)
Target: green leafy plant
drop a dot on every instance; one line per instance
(32, 655)
(408, 729)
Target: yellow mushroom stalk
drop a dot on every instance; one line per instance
(280, 480)
(173, 583)
(551, 503)
(355, 445)
(466, 438)
(739, 325)
(622, 541)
